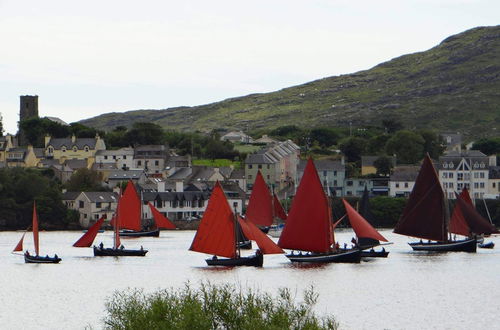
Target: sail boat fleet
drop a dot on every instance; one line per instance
(308, 232)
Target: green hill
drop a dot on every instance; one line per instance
(454, 86)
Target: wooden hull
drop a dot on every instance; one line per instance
(374, 254)
(110, 252)
(342, 256)
(29, 259)
(245, 245)
(489, 245)
(255, 260)
(148, 233)
(467, 245)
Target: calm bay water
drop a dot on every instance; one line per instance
(408, 290)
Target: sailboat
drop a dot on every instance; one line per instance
(308, 227)
(118, 249)
(88, 237)
(217, 235)
(425, 215)
(131, 222)
(260, 205)
(466, 221)
(37, 259)
(279, 212)
(367, 236)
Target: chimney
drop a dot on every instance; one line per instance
(179, 186)
(161, 187)
(73, 138)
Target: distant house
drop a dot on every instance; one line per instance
(122, 158)
(21, 157)
(73, 148)
(265, 140)
(5, 144)
(117, 176)
(238, 176)
(237, 136)
(94, 205)
(151, 158)
(494, 183)
(330, 172)
(453, 141)
(356, 186)
(402, 180)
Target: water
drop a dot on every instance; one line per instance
(407, 290)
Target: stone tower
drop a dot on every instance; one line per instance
(28, 109)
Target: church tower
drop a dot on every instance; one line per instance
(28, 109)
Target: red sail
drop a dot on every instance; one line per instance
(35, 230)
(88, 238)
(216, 232)
(129, 209)
(458, 225)
(477, 224)
(308, 226)
(279, 211)
(424, 215)
(19, 246)
(161, 221)
(252, 232)
(361, 227)
(260, 206)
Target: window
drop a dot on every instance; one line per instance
(334, 173)
(445, 175)
(81, 204)
(397, 184)
(259, 166)
(86, 149)
(406, 184)
(476, 175)
(105, 157)
(493, 184)
(481, 185)
(63, 149)
(268, 177)
(481, 175)
(349, 183)
(335, 182)
(268, 166)
(98, 205)
(450, 185)
(124, 156)
(476, 185)
(157, 162)
(467, 176)
(249, 176)
(96, 216)
(450, 175)
(324, 173)
(75, 149)
(139, 163)
(249, 166)
(460, 176)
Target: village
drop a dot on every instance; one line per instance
(180, 190)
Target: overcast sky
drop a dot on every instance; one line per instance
(85, 58)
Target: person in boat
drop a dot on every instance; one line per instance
(257, 252)
(101, 246)
(345, 246)
(337, 246)
(354, 242)
(214, 258)
(55, 256)
(142, 249)
(27, 253)
(122, 247)
(46, 256)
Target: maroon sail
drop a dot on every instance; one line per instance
(260, 206)
(458, 224)
(88, 238)
(477, 224)
(308, 226)
(424, 215)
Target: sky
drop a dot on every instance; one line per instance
(86, 58)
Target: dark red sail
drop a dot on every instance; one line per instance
(252, 232)
(35, 230)
(477, 224)
(216, 232)
(260, 206)
(308, 226)
(161, 221)
(88, 238)
(279, 211)
(129, 209)
(424, 215)
(361, 227)
(458, 225)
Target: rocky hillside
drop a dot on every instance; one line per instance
(454, 86)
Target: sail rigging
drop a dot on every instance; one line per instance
(311, 203)
(216, 232)
(88, 238)
(424, 215)
(476, 223)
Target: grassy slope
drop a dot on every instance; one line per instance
(451, 87)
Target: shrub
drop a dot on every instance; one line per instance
(213, 307)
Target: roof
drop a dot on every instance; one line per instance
(237, 174)
(124, 175)
(80, 143)
(175, 196)
(119, 152)
(405, 173)
(101, 196)
(322, 165)
(70, 195)
(104, 166)
(76, 163)
(181, 173)
(57, 120)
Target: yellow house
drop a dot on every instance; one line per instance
(5, 144)
(73, 148)
(21, 157)
(367, 164)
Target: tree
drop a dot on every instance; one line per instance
(1, 124)
(489, 146)
(377, 143)
(325, 137)
(383, 165)
(145, 133)
(433, 143)
(353, 147)
(85, 180)
(392, 125)
(407, 146)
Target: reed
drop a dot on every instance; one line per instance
(213, 307)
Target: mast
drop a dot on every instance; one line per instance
(35, 230)
(237, 249)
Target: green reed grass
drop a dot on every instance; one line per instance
(213, 307)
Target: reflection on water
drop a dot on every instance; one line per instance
(407, 290)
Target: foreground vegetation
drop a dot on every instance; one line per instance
(213, 307)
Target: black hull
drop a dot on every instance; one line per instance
(109, 252)
(29, 259)
(245, 245)
(265, 229)
(467, 245)
(374, 254)
(149, 233)
(489, 245)
(255, 260)
(342, 256)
